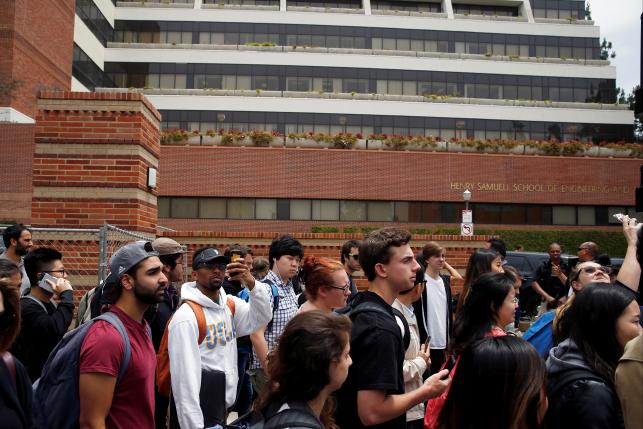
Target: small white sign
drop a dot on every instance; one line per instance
(466, 229)
(467, 216)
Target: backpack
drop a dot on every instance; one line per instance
(299, 415)
(163, 376)
(245, 295)
(556, 385)
(365, 307)
(540, 334)
(56, 398)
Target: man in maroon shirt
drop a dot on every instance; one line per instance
(130, 404)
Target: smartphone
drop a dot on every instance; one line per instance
(619, 216)
(235, 256)
(426, 343)
(44, 284)
(449, 366)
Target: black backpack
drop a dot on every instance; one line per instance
(298, 415)
(352, 310)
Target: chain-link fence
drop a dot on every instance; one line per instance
(86, 252)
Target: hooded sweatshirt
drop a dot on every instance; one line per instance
(585, 403)
(219, 349)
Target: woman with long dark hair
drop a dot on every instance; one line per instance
(491, 304)
(602, 319)
(500, 384)
(481, 261)
(15, 384)
(310, 362)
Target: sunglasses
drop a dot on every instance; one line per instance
(213, 266)
(592, 269)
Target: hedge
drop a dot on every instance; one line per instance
(612, 243)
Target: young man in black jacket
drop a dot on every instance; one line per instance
(43, 321)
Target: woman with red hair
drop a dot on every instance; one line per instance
(327, 285)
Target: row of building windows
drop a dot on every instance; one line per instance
(361, 81)
(356, 38)
(244, 2)
(86, 70)
(346, 4)
(558, 9)
(382, 211)
(479, 9)
(91, 15)
(445, 128)
(407, 6)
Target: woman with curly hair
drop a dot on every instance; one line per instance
(310, 362)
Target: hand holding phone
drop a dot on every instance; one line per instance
(427, 343)
(48, 282)
(449, 366)
(235, 256)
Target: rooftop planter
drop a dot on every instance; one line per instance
(394, 142)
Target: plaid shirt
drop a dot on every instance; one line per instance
(286, 311)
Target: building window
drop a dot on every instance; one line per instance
(266, 209)
(212, 208)
(352, 210)
(241, 208)
(586, 215)
(380, 211)
(300, 210)
(325, 210)
(564, 215)
(184, 208)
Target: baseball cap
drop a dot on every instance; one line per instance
(167, 246)
(209, 254)
(129, 255)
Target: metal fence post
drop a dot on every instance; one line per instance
(102, 256)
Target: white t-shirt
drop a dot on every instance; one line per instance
(436, 312)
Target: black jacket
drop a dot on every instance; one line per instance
(15, 401)
(41, 329)
(420, 308)
(579, 397)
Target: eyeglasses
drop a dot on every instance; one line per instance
(592, 269)
(344, 288)
(62, 271)
(583, 248)
(514, 300)
(213, 266)
(355, 256)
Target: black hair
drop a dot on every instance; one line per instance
(8, 268)
(592, 325)
(284, 245)
(13, 232)
(170, 260)
(346, 249)
(477, 316)
(39, 260)
(495, 370)
(376, 248)
(499, 246)
(479, 263)
(243, 250)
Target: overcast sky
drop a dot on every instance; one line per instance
(620, 23)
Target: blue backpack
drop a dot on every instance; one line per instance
(245, 295)
(540, 334)
(56, 398)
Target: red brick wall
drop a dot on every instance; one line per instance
(16, 145)
(103, 129)
(36, 48)
(399, 176)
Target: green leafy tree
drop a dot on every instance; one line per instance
(588, 12)
(607, 50)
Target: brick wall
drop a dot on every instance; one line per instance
(36, 48)
(16, 149)
(395, 176)
(91, 160)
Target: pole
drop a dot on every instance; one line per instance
(102, 254)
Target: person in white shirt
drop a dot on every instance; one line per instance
(434, 308)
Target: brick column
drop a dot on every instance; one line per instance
(91, 160)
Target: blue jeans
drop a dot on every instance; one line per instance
(244, 388)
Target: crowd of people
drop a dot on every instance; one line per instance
(288, 341)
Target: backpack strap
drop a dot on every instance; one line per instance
(368, 306)
(115, 321)
(231, 305)
(298, 415)
(200, 318)
(557, 385)
(274, 291)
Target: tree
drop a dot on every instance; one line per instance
(607, 51)
(627, 98)
(588, 12)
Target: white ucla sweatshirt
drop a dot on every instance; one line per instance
(219, 349)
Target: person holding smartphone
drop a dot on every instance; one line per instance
(416, 358)
(43, 322)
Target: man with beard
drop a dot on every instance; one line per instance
(226, 317)
(17, 242)
(104, 403)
